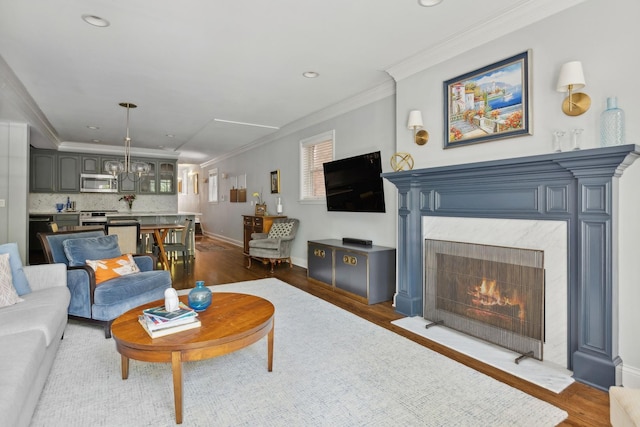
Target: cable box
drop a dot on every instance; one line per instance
(352, 241)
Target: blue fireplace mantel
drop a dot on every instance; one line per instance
(579, 187)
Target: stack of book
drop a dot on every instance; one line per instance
(158, 322)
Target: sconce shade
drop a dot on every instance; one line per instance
(571, 74)
(415, 119)
(428, 3)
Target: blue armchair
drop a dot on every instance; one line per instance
(102, 303)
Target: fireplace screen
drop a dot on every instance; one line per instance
(490, 292)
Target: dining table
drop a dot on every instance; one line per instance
(159, 233)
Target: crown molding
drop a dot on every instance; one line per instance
(521, 14)
(381, 91)
(25, 104)
(118, 151)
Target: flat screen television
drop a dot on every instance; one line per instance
(354, 184)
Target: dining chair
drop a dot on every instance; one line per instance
(128, 235)
(184, 244)
(53, 226)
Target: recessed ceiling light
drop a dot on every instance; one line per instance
(96, 21)
(169, 135)
(93, 127)
(95, 140)
(429, 3)
(310, 74)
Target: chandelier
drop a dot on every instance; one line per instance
(127, 167)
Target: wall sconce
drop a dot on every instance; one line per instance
(571, 79)
(415, 122)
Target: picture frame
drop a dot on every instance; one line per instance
(275, 181)
(490, 103)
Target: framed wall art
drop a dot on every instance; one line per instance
(275, 181)
(489, 103)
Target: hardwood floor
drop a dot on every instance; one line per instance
(585, 405)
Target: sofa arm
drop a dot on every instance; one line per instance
(44, 276)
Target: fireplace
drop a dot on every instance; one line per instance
(578, 188)
(490, 292)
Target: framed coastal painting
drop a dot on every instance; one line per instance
(489, 103)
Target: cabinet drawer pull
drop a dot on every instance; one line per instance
(319, 253)
(349, 260)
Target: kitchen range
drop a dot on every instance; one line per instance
(95, 217)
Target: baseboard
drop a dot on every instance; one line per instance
(223, 238)
(630, 376)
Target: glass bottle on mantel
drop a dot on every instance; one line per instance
(612, 124)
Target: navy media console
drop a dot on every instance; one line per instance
(365, 273)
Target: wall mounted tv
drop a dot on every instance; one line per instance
(354, 184)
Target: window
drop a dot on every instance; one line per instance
(314, 151)
(213, 185)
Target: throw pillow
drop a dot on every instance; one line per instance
(78, 251)
(19, 278)
(280, 229)
(107, 269)
(8, 294)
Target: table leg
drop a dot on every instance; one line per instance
(176, 368)
(159, 236)
(125, 367)
(270, 349)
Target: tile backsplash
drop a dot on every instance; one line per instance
(46, 202)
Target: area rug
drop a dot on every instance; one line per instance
(331, 368)
(545, 374)
(207, 246)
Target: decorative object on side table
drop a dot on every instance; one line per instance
(129, 198)
(200, 297)
(261, 207)
(612, 124)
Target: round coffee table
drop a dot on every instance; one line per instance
(233, 321)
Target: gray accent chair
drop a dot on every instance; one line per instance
(102, 303)
(274, 246)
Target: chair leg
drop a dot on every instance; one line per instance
(107, 329)
(249, 258)
(273, 264)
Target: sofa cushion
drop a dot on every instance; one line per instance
(8, 294)
(118, 295)
(43, 311)
(18, 372)
(107, 269)
(78, 251)
(19, 279)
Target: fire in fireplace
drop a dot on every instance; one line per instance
(490, 292)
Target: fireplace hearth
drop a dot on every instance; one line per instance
(490, 292)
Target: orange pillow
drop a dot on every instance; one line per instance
(107, 269)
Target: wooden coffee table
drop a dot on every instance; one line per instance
(233, 321)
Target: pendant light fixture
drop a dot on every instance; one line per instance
(128, 168)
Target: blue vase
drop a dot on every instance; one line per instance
(612, 124)
(200, 297)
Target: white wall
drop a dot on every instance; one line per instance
(14, 184)
(600, 34)
(188, 199)
(365, 129)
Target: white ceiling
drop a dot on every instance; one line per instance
(186, 63)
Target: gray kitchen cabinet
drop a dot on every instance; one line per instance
(68, 173)
(365, 273)
(91, 164)
(167, 177)
(43, 172)
(66, 219)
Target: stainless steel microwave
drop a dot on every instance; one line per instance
(93, 183)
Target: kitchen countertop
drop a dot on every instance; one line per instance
(115, 214)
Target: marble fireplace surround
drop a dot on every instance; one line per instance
(577, 187)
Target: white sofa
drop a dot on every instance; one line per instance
(30, 334)
(625, 406)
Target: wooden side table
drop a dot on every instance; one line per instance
(256, 224)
